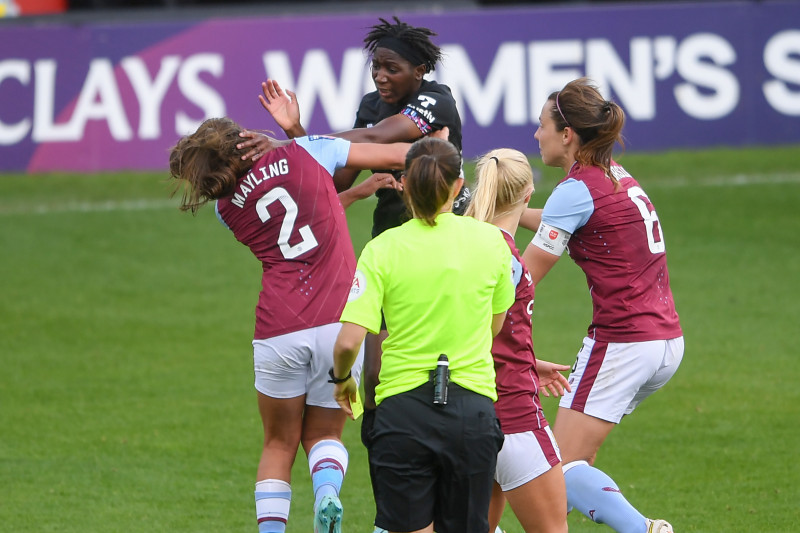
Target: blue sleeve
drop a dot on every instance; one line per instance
(569, 206)
(219, 216)
(516, 271)
(330, 152)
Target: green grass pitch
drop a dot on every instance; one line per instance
(126, 397)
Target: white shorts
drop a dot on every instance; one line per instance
(610, 379)
(525, 456)
(297, 363)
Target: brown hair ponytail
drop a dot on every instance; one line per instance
(432, 165)
(597, 122)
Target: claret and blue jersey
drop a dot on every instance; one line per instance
(286, 210)
(618, 242)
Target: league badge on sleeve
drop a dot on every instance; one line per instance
(358, 287)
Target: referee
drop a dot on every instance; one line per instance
(444, 284)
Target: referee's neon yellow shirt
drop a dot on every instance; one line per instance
(438, 288)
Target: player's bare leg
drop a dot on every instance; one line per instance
(540, 505)
(282, 419)
(496, 506)
(321, 423)
(579, 435)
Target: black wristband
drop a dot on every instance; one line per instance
(336, 380)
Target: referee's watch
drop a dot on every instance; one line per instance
(336, 380)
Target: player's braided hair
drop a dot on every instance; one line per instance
(418, 38)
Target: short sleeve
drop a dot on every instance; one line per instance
(219, 215)
(330, 152)
(364, 302)
(431, 111)
(569, 206)
(516, 271)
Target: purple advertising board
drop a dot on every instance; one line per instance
(105, 96)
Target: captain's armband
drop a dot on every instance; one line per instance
(551, 239)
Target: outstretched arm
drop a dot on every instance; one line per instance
(344, 177)
(396, 128)
(371, 155)
(282, 105)
(365, 189)
(388, 156)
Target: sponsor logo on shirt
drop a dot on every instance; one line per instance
(358, 286)
(425, 101)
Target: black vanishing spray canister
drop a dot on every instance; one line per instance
(441, 377)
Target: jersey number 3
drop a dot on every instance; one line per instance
(655, 239)
(308, 242)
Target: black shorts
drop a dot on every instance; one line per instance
(434, 463)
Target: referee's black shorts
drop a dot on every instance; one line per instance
(434, 463)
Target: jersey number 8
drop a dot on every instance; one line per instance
(655, 239)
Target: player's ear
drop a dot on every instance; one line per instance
(567, 136)
(419, 72)
(528, 197)
(456, 187)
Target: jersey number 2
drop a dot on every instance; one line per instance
(655, 239)
(279, 194)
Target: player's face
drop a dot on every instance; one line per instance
(395, 78)
(551, 141)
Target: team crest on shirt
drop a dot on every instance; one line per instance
(553, 235)
(358, 287)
